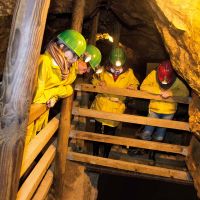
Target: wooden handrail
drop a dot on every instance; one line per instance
(130, 166)
(35, 111)
(131, 119)
(38, 142)
(130, 142)
(44, 187)
(129, 93)
(31, 183)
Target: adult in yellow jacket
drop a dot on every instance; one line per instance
(165, 83)
(56, 73)
(116, 76)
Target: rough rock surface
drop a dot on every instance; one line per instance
(78, 185)
(178, 23)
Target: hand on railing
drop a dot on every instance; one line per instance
(102, 83)
(131, 87)
(166, 94)
(51, 103)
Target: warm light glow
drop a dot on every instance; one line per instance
(118, 63)
(104, 36)
(99, 70)
(88, 58)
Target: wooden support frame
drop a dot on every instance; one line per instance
(31, 183)
(131, 119)
(36, 111)
(134, 167)
(130, 142)
(38, 143)
(28, 23)
(44, 187)
(62, 144)
(129, 93)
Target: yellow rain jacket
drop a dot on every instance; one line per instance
(151, 85)
(113, 103)
(49, 85)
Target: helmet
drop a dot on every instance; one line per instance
(165, 74)
(74, 40)
(117, 57)
(95, 56)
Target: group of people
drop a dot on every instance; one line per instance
(162, 81)
(69, 55)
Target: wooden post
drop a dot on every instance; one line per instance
(116, 33)
(77, 21)
(95, 22)
(78, 14)
(23, 51)
(62, 143)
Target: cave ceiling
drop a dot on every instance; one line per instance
(150, 30)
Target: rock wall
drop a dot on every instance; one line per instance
(179, 25)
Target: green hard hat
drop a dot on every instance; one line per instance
(74, 40)
(117, 57)
(95, 56)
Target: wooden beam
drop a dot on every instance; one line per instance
(131, 119)
(116, 32)
(62, 143)
(31, 183)
(36, 111)
(38, 143)
(78, 14)
(130, 142)
(94, 29)
(44, 187)
(129, 93)
(134, 167)
(23, 51)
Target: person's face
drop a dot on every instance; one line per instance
(82, 67)
(70, 55)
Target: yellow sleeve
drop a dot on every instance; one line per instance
(133, 80)
(150, 84)
(61, 91)
(180, 90)
(41, 80)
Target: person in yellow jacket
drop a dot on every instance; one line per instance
(57, 69)
(117, 76)
(164, 82)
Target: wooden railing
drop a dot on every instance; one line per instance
(39, 177)
(130, 142)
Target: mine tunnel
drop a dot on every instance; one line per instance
(85, 135)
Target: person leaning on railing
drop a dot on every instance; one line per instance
(118, 76)
(57, 69)
(164, 82)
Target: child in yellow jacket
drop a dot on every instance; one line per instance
(115, 76)
(165, 83)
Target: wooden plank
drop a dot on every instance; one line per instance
(134, 167)
(31, 183)
(131, 119)
(62, 143)
(36, 110)
(78, 14)
(130, 142)
(38, 143)
(129, 93)
(44, 187)
(28, 23)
